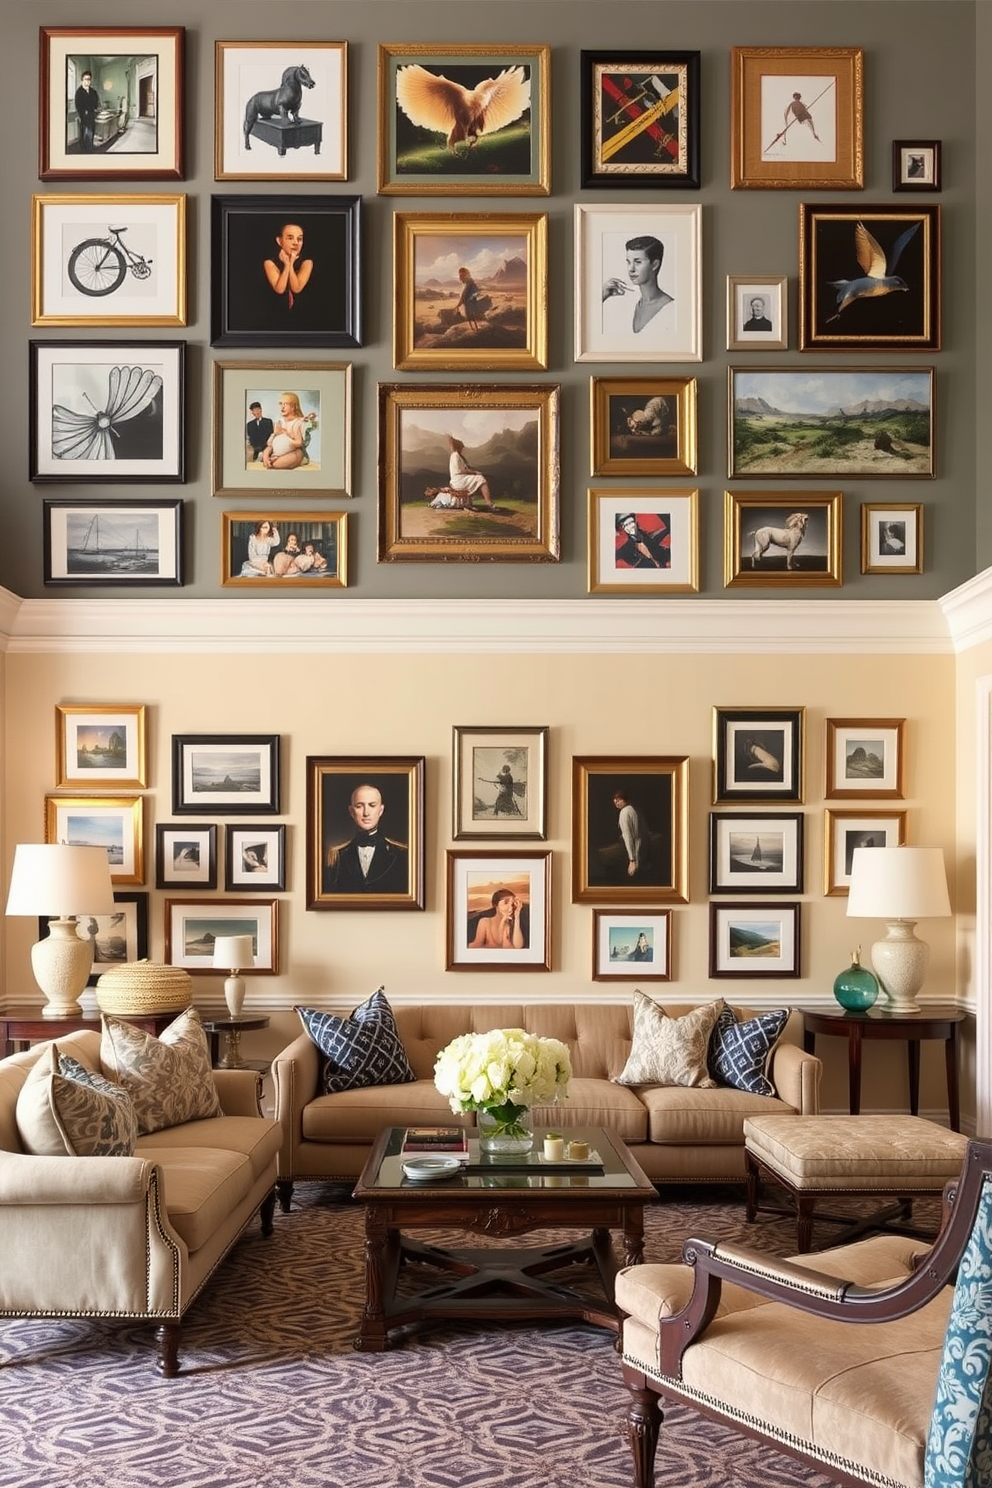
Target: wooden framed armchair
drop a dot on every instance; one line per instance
(868, 1360)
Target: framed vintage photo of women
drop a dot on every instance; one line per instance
(113, 545)
(108, 260)
(115, 823)
(285, 271)
(830, 422)
(106, 412)
(185, 855)
(254, 857)
(640, 119)
(282, 429)
(638, 277)
(891, 537)
(643, 541)
(916, 165)
(470, 291)
(758, 754)
(869, 279)
(225, 774)
(111, 103)
(789, 540)
(865, 758)
(499, 782)
(280, 111)
(468, 472)
(797, 118)
(756, 853)
(643, 425)
(464, 120)
(365, 832)
(121, 935)
(631, 946)
(629, 836)
(99, 745)
(192, 926)
(843, 831)
(757, 312)
(498, 911)
(291, 550)
(755, 940)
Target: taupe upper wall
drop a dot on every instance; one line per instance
(920, 68)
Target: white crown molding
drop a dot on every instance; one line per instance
(581, 627)
(968, 611)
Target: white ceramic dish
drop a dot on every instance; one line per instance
(422, 1169)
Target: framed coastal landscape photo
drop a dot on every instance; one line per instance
(115, 823)
(756, 853)
(225, 774)
(192, 926)
(281, 111)
(865, 758)
(100, 744)
(638, 273)
(113, 544)
(631, 945)
(755, 940)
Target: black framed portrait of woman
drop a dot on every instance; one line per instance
(285, 271)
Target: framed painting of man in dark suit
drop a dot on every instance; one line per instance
(365, 833)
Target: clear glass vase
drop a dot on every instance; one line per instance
(505, 1129)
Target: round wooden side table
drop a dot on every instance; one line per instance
(232, 1028)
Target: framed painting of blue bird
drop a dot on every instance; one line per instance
(869, 278)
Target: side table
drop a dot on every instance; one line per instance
(911, 1028)
(27, 1025)
(233, 1028)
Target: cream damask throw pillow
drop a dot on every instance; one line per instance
(65, 1110)
(169, 1078)
(669, 1051)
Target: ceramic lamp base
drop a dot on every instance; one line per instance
(61, 964)
(234, 995)
(900, 962)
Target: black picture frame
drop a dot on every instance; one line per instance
(185, 855)
(252, 790)
(243, 234)
(396, 879)
(254, 856)
(756, 852)
(624, 142)
(121, 557)
(755, 941)
(758, 754)
(120, 936)
(915, 165)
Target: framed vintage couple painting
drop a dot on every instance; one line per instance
(638, 275)
(282, 429)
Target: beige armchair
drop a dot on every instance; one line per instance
(872, 1365)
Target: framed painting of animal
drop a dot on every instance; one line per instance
(758, 754)
(111, 103)
(643, 425)
(797, 118)
(640, 119)
(869, 278)
(790, 540)
(464, 120)
(830, 423)
(915, 165)
(281, 111)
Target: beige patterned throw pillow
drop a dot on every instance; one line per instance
(64, 1110)
(669, 1051)
(168, 1078)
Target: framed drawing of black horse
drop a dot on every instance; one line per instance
(281, 111)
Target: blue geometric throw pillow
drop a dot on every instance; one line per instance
(738, 1052)
(362, 1050)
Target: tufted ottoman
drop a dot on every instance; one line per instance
(815, 1155)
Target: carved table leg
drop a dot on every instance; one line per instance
(633, 1236)
(373, 1337)
(644, 1418)
(167, 1335)
(805, 1204)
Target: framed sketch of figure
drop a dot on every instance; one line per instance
(637, 275)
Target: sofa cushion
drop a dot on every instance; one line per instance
(739, 1051)
(359, 1051)
(255, 1137)
(669, 1051)
(678, 1117)
(169, 1078)
(64, 1110)
(203, 1186)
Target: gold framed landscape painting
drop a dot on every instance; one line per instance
(457, 120)
(471, 291)
(468, 473)
(797, 118)
(643, 425)
(865, 758)
(115, 823)
(100, 744)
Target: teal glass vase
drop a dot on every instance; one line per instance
(856, 989)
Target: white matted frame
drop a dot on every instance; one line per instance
(115, 823)
(499, 782)
(254, 856)
(498, 911)
(891, 537)
(865, 758)
(192, 926)
(185, 855)
(628, 946)
(756, 853)
(100, 744)
(757, 312)
(617, 287)
(755, 940)
(643, 541)
(300, 132)
(843, 831)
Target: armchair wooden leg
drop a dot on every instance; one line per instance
(167, 1335)
(266, 1211)
(284, 1188)
(752, 1187)
(644, 1418)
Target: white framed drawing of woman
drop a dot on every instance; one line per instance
(637, 277)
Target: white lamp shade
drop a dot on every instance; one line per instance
(57, 879)
(234, 952)
(898, 883)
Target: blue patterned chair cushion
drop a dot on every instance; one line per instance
(364, 1049)
(738, 1052)
(65, 1110)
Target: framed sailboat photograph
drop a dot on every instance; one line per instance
(117, 544)
(760, 853)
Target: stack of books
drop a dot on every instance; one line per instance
(439, 1141)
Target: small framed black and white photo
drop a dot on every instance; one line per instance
(255, 857)
(756, 853)
(113, 544)
(916, 165)
(757, 312)
(185, 855)
(891, 537)
(225, 774)
(758, 754)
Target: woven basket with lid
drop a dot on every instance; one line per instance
(144, 987)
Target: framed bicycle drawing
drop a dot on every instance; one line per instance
(108, 260)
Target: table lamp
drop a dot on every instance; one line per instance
(233, 952)
(60, 880)
(900, 885)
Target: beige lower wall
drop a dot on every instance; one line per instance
(609, 705)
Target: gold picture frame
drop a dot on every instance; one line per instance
(100, 744)
(643, 541)
(291, 99)
(643, 425)
(113, 822)
(489, 314)
(843, 831)
(392, 789)
(318, 559)
(891, 537)
(865, 758)
(797, 118)
(782, 540)
(425, 519)
(605, 789)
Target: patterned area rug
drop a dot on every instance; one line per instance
(272, 1394)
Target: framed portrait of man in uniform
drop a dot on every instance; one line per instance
(365, 833)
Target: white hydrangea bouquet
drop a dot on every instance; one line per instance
(503, 1073)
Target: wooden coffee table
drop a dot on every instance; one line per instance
(498, 1282)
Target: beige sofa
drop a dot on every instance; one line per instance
(130, 1237)
(677, 1135)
